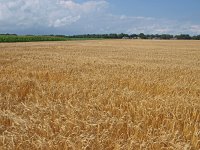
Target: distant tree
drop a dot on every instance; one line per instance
(142, 36)
(197, 37)
(133, 36)
(113, 36)
(166, 36)
(123, 35)
(183, 37)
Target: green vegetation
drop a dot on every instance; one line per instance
(135, 36)
(33, 38)
(15, 38)
(139, 36)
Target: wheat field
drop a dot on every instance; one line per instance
(100, 95)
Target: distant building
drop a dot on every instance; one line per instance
(173, 38)
(125, 37)
(156, 38)
(134, 38)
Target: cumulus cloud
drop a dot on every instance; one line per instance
(195, 28)
(139, 24)
(75, 17)
(64, 21)
(86, 7)
(45, 13)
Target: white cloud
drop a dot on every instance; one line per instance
(45, 13)
(89, 16)
(195, 28)
(86, 7)
(147, 25)
(64, 21)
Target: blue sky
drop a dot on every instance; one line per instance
(171, 9)
(99, 16)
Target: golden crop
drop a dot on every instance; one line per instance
(106, 94)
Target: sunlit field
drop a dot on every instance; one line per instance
(100, 95)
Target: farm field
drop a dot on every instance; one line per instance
(100, 95)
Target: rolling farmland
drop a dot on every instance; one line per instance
(100, 94)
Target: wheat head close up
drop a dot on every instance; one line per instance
(100, 95)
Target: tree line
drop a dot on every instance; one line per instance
(138, 36)
(15, 37)
(28, 38)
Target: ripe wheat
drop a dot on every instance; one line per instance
(107, 94)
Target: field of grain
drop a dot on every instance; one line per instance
(100, 95)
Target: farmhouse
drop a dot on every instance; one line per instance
(125, 37)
